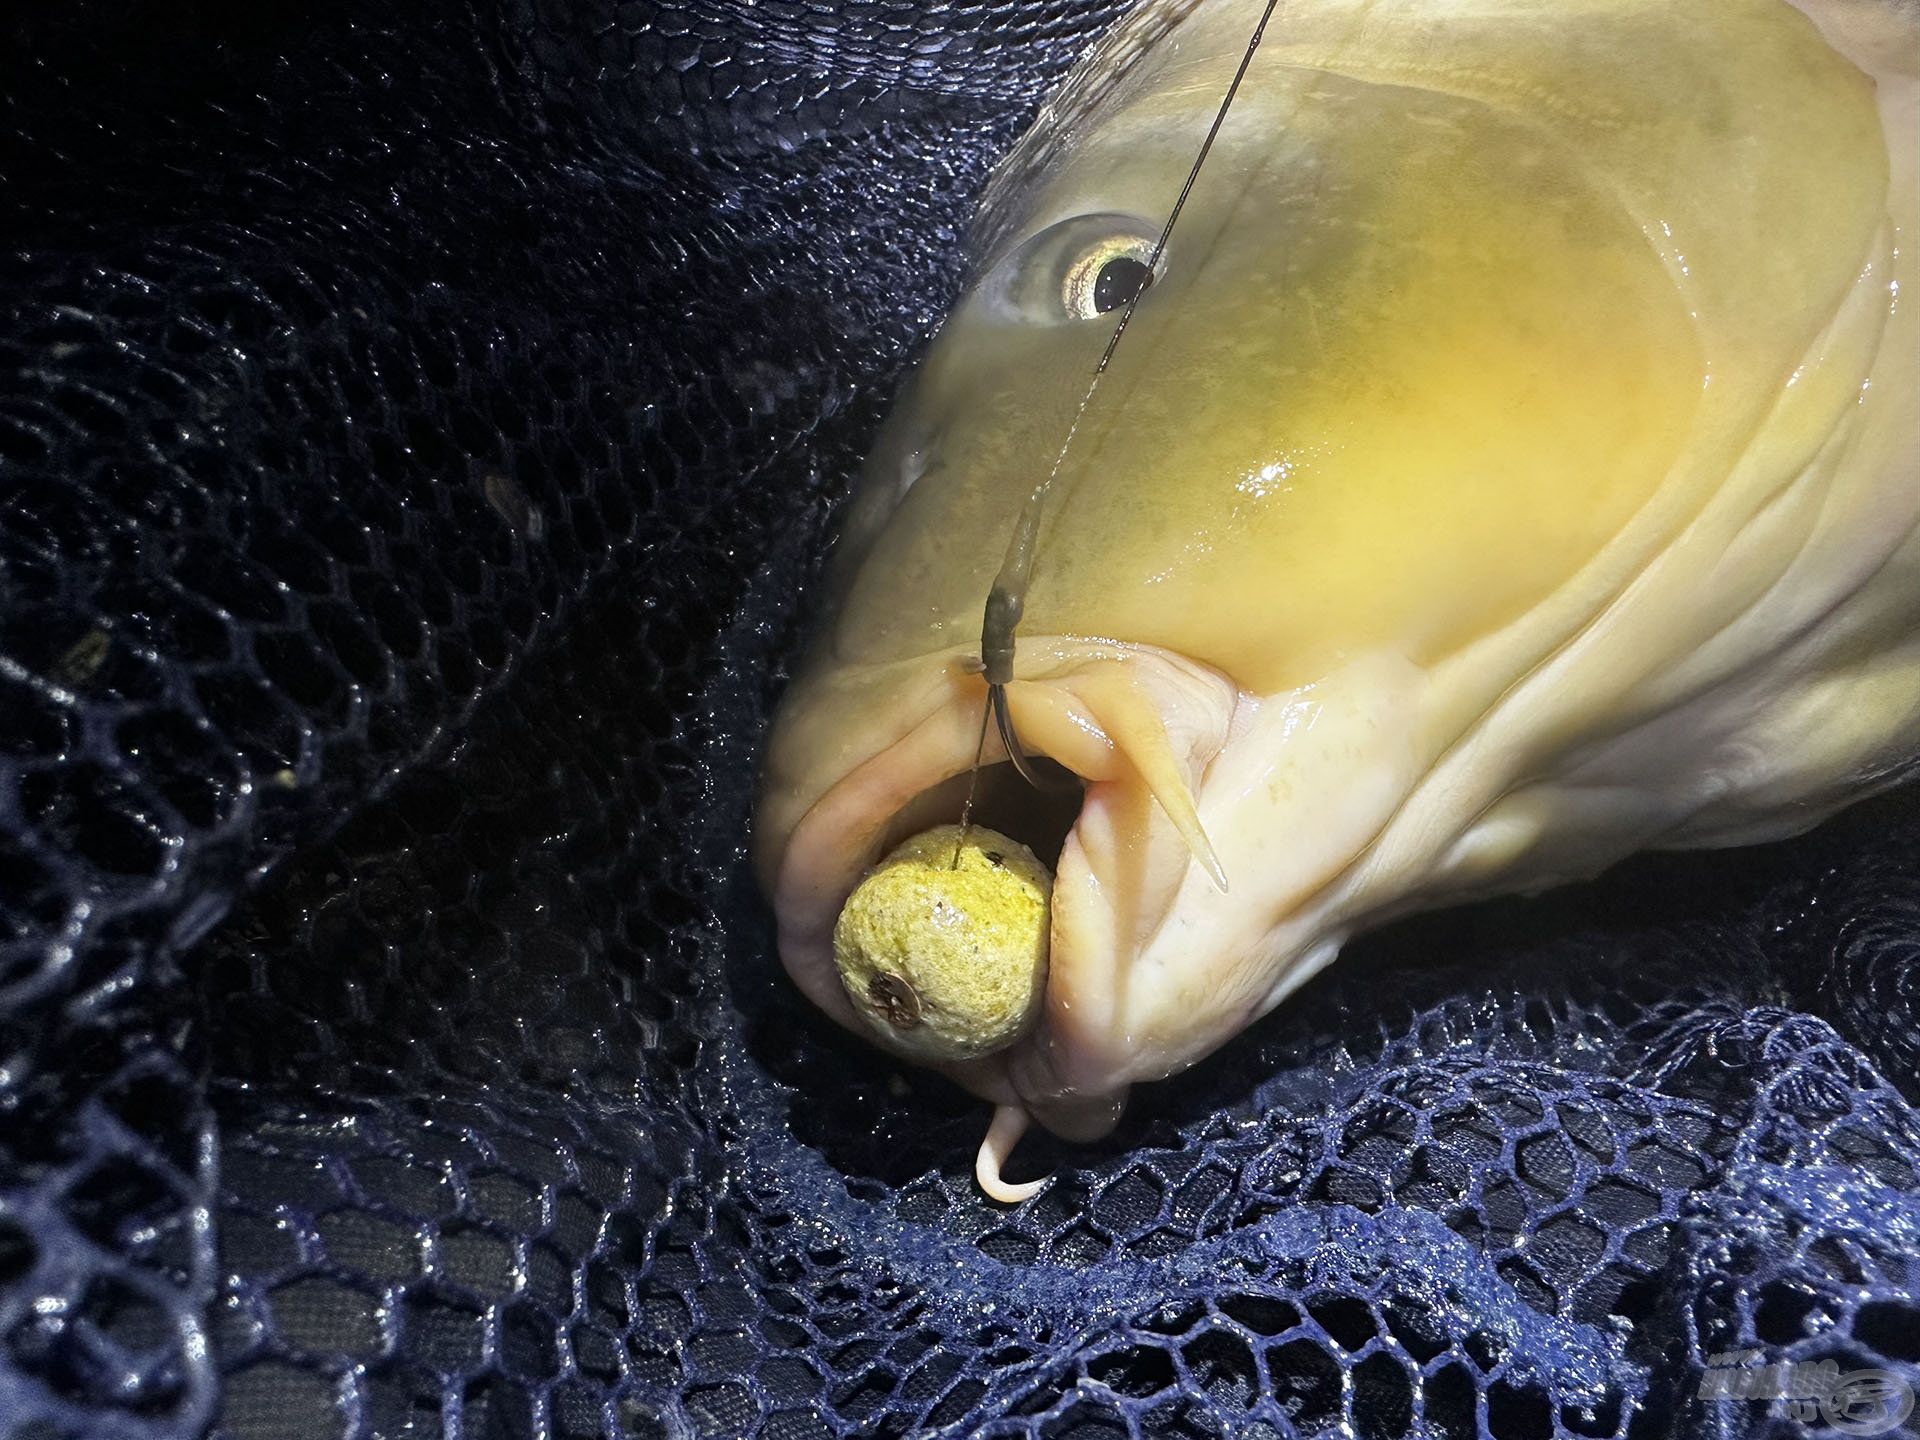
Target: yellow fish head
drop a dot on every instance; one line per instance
(1509, 465)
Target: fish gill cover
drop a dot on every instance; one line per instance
(417, 431)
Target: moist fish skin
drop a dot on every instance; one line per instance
(1514, 465)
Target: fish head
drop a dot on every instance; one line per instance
(1452, 428)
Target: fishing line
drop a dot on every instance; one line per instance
(1007, 597)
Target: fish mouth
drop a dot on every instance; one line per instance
(1120, 736)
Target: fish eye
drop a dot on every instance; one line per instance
(1078, 269)
(1107, 277)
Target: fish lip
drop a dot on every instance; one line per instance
(839, 835)
(845, 830)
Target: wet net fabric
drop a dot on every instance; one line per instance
(418, 430)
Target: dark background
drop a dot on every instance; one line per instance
(418, 426)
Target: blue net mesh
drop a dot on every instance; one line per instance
(417, 437)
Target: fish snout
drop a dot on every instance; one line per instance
(1191, 830)
(863, 759)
